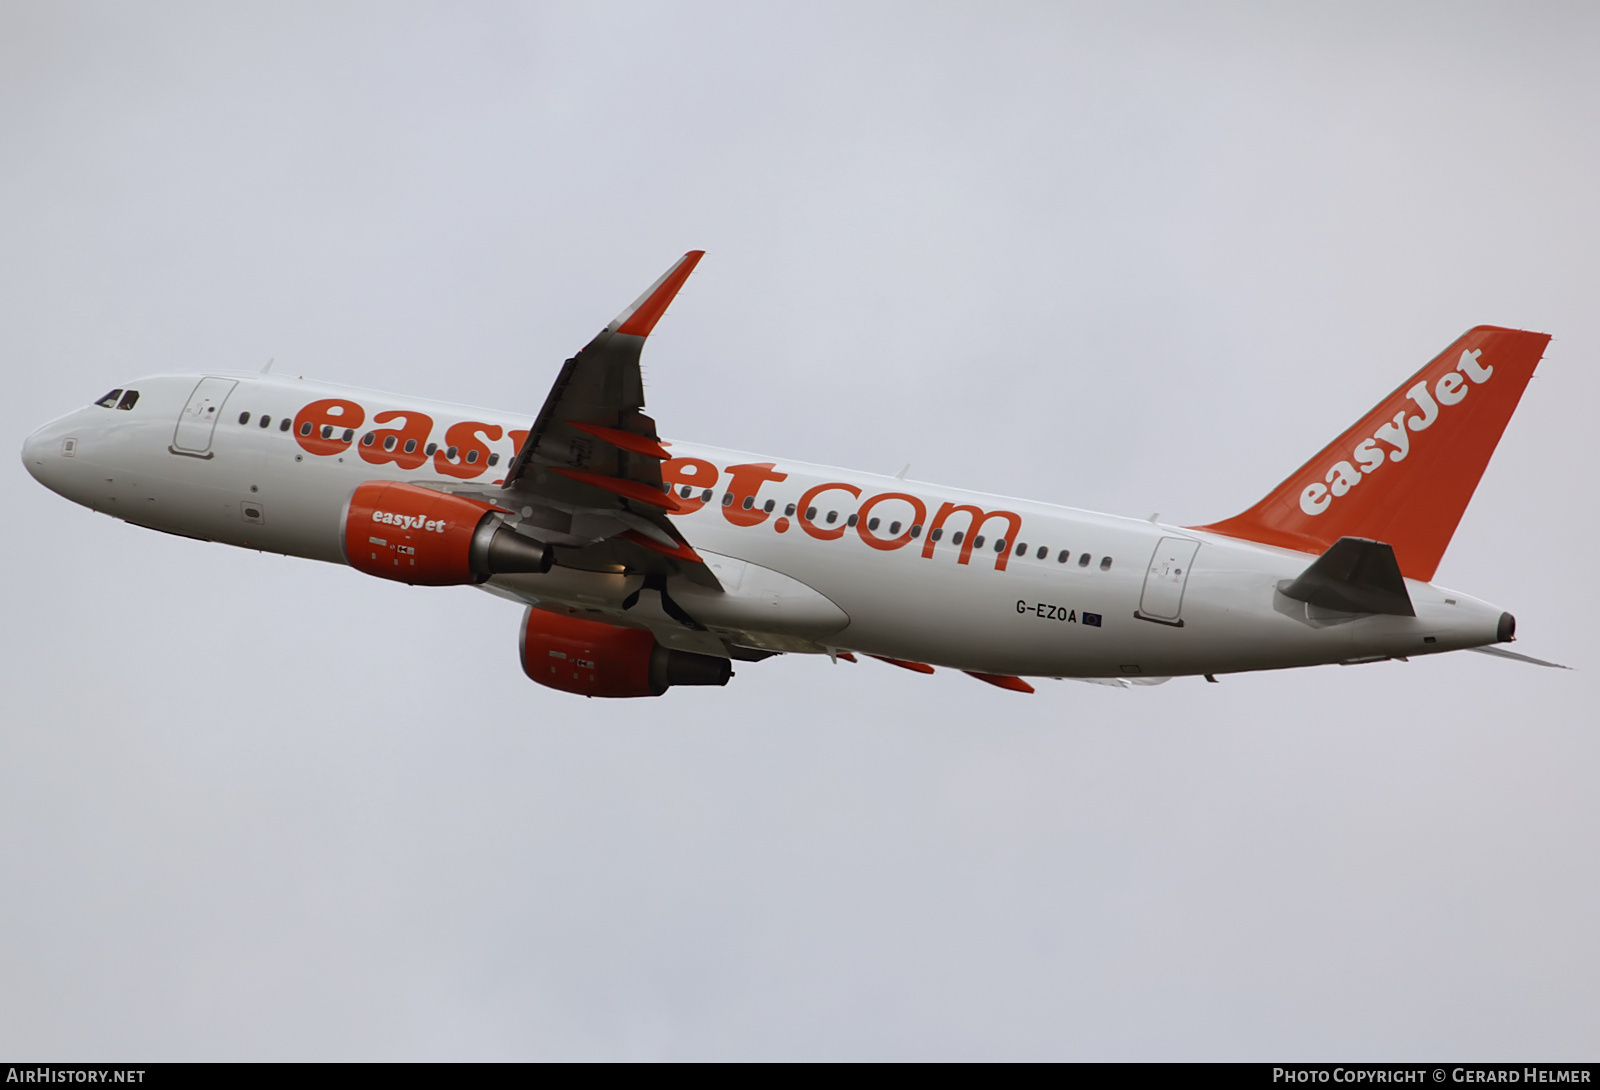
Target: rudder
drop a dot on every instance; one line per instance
(1405, 472)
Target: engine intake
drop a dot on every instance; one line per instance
(432, 539)
(592, 658)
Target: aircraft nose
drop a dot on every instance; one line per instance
(30, 454)
(39, 451)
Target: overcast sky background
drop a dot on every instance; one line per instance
(1130, 258)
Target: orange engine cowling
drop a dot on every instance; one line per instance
(592, 658)
(432, 539)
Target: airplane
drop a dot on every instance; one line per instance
(644, 564)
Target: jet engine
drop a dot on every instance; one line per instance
(592, 658)
(432, 539)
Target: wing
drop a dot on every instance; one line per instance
(587, 480)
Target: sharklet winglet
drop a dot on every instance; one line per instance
(640, 318)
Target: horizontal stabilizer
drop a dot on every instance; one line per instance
(1502, 653)
(1355, 575)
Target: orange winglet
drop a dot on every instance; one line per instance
(648, 310)
(626, 440)
(1004, 681)
(631, 490)
(905, 664)
(846, 655)
(681, 552)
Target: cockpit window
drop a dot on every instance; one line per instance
(110, 400)
(130, 398)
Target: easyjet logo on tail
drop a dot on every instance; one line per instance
(1395, 435)
(1443, 423)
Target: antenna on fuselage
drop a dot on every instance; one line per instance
(267, 367)
(903, 471)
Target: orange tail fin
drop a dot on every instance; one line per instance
(1404, 473)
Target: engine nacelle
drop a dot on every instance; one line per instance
(592, 658)
(432, 539)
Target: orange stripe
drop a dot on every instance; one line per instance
(1004, 681)
(905, 664)
(626, 440)
(681, 552)
(633, 490)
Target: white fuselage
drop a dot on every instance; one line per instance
(1168, 600)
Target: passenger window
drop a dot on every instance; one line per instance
(916, 531)
(266, 421)
(705, 497)
(494, 458)
(1083, 561)
(768, 506)
(1044, 551)
(833, 516)
(472, 457)
(430, 449)
(749, 502)
(788, 509)
(349, 434)
(977, 542)
(872, 523)
(327, 430)
(937, 533)
(110, 400)
(1105, 564)
(851, 521)
(244, 418)
(411, 446)
(129, 400)
(1066, 555)
(727, 499)
(283, 425)
(811, 513)
(1022, 549)
(450, 454)
(955, 538)
(370, 438)
(685, 491)
(390, 442)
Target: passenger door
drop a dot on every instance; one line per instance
(199, 418)
(1162, 600)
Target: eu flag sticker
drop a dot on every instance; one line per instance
(1091, 619)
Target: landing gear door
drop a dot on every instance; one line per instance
(200, 415)
(1162, 600)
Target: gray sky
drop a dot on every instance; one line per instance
(1130, 258)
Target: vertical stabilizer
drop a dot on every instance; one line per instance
(1404, 473)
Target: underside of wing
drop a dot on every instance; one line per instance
(587, 480)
